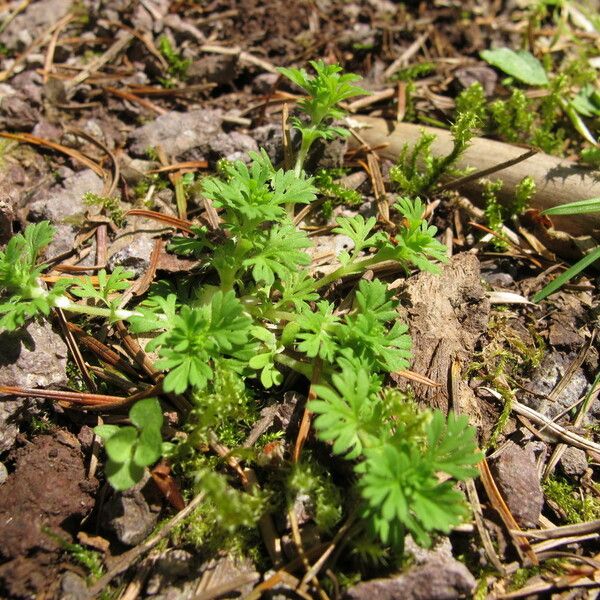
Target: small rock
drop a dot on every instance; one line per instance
(437, 579)
(63, 201)
(85, 437)
(172, 565)
(486, 76)
(213, 68)
(544, 378)
(131, 515)
(232, 146)
(39, 15)
(3, 473)
(573, 462)
(30, 84)
(177, 132)
(134, 253)
(270, 138)
(7, 216)
(33, 356)
(518, 480)
(16, 113)
(264, 83)
(47, 130)
(73, 587)
(358, 36)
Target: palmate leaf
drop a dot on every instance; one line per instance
(197, 336)
(369, 340)
(452, 447)
(373, 297)
(255, 194)
(359, 231)
(349, 417)
(278, 254)
(317, 331)
(403, 494)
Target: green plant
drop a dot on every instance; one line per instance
(326, 89)
(249, 312)
(417, 170)
(402, 452)
(497, 213)
(572, 208)
(576, 507)
(132, 448)
(178, 65)
(520, 64)
(26, 296)
(87, 558)
(110, 205)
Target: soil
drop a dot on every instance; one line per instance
(89, 115)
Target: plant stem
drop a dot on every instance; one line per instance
(296, 365)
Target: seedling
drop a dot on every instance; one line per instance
(418, 170)
(132, 448)
(326, 89)
(257, 310)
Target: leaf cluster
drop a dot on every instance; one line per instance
(23, 295)
(132, 448)
(325, 90)
(400, 454)
(193, 337)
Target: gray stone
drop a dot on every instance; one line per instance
(34, 356)
(17, 113)
(133, 253)
(61, 202)
(213, 68)
(3, 473)
(132, 515)
(544, 378)
(517, 478)
(573, 462)
(39, 15)
(232, 146)
(73, 587)
(438, 579)
(177, 132)
(216, 571)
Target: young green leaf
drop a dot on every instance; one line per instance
(520, 64)
(350, 417)
(317, 331)
(581, 207)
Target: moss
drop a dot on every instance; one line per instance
(577, 507)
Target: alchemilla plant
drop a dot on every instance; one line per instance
(250, 313)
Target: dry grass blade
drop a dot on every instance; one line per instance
(181, 224)
(304, 428)
(75, 352)
(125, 95)
(190, 164)
(558, 431)
(521, 543)
(103, 352)
(32, 139)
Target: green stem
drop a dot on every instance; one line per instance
(95, 311)
(296, 365)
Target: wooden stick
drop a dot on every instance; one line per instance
(557, 180)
